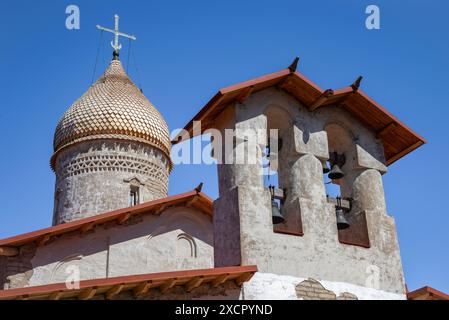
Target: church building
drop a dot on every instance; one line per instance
(117, 234)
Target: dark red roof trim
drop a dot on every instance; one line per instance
(194, 198)
(138, 284)
(397, 138)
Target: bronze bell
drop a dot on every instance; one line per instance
(335, 173)
(326, 168)
(342, 223)
(276, 213)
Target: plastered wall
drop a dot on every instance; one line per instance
(242, 214)
(179, 239)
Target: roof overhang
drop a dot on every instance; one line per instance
(397, 139)
(195, 199)
(427, 293)
(139, 285)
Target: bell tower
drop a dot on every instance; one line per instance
(324, 137)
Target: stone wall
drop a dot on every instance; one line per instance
(311, 289)
(16, 271)
(97, 176)
(178, 239)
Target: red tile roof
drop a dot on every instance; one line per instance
(193, 198)
(398, 139)
(427, 293)
(138, 284)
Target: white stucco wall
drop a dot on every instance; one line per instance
(268, 286)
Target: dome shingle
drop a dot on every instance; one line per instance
(113, 107)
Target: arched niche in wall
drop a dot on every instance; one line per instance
(342, 141)
(179, 238)
(192, 222)
(280, 126)
(65, 268)
(186, 247)
(279, 141)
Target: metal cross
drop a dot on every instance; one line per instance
(116, 45)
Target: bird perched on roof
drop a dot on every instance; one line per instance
(199, 188)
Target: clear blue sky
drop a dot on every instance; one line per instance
(187, 50)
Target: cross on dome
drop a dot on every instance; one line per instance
(115, 44)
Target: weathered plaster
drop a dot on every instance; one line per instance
(96, 176)
(242, 232)
(179, 238)
(318, 253)
(16, 271)
(268, 286)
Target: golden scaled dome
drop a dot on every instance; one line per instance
(113, 108)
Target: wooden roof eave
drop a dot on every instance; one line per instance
(433, 293)
(137, 284)
(226, 92)
(373, 115)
